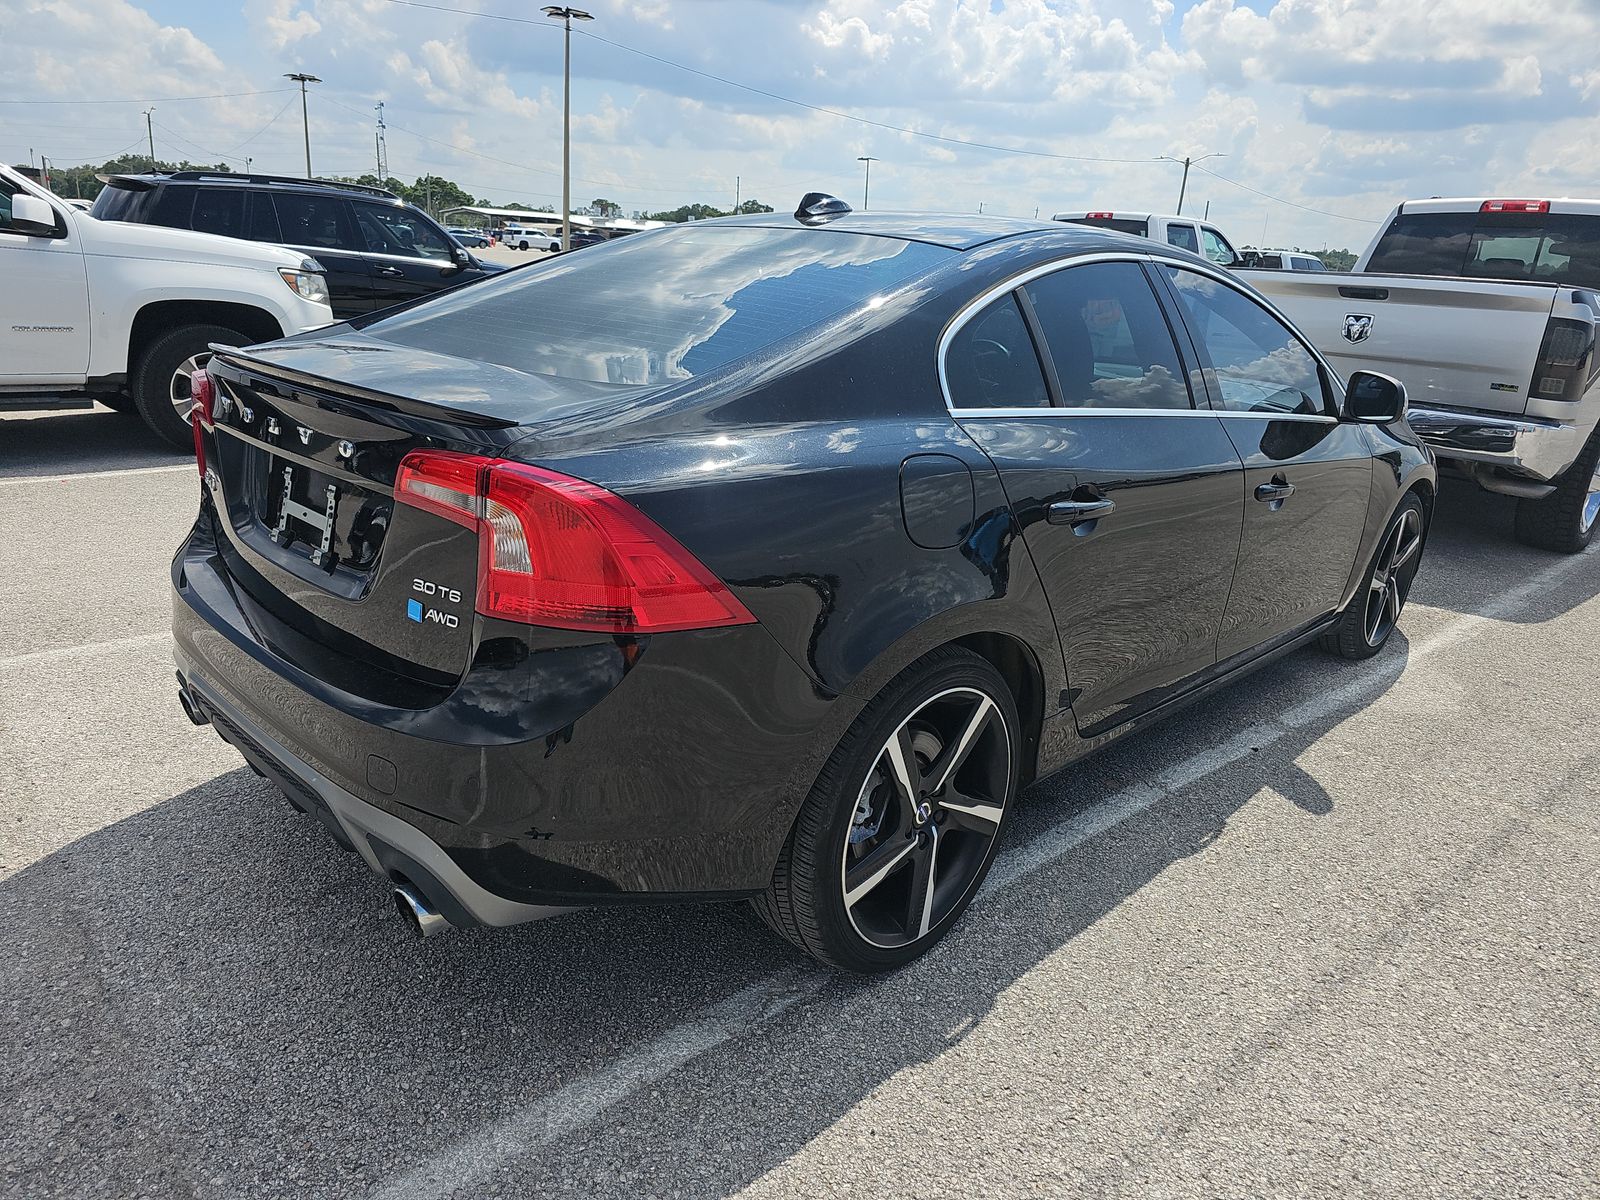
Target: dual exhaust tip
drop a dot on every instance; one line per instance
(421, 917)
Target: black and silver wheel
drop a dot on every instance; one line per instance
(162, 387)
(1565, 520)
(1371, 617)
(904, 820)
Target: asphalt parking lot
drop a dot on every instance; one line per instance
(1331, 933)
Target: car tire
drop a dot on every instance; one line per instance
(1369, 620)
(156, 383)
(851, 887)
(522, 245)
(1565, 520)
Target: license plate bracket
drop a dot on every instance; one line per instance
(320, 523)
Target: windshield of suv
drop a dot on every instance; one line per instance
(1538, 247)
(660, 306)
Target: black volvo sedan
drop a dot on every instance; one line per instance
(768, 557)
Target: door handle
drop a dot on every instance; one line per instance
(1076, 512)
(387, 270)
(1274, 493)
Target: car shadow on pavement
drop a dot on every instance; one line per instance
(209, 996)
(81, 440)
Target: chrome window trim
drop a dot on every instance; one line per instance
(971, 309)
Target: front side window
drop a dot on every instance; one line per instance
(314, 221)
(1107, 338)
(1256, 362)
(7, 190)
(1217, 248)
(992, 363)
(1183, 237)
(392, 230)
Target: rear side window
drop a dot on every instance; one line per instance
(219, 210)
(992, 362)
(661, 306)
(1108, 339)
(1183, 237)
(1257, 363)
(318, 221)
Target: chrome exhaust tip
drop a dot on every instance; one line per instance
(423, 919)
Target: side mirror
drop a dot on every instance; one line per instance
(1374, 399)
(33, 217)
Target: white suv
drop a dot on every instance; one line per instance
(125, 314)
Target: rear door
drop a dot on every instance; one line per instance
(323, 226)
(407, 256)
(1130, 496)
(1308, 475)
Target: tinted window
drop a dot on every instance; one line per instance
(1217, 248)
(1554, 248)
(119, 204)
(262, 219)
(314, 221)
(7, 190)
(1120, 224)
(219, 210)
(1309, 264)
(992, 363)
(664, 306)
(1183, 236)
(1258, 365)
(1108, 339)
(1273, 262)
(389, 229)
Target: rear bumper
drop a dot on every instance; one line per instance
(1527, 447)
(549, 777)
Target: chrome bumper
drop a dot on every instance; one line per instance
(1529, 447)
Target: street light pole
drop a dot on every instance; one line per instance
(150, 132)
(1183, 187)
(302, 79)
(566, 15)
(866, 186)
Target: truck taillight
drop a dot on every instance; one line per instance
(564, 553)
(1098, 216)
(203, 393)
(1566, 361)
(1515, 206)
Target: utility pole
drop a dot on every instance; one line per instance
(866, 188)
(302, 79)
(247, 163)
(566, 15)
(150, 131)
(1187, 163)
(736, 195)
(380, 147)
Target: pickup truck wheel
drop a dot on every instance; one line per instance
(1369, 620)
(1565, 520)
(161, 382)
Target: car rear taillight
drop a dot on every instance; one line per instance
(204, 393)
(1099, 216)
(1515, 206)
(561, 552)
(1566, 361)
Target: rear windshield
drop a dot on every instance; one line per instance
(1543, 248)
(661, 307)
(120, 203)
(1120, 224)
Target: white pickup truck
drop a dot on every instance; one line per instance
(1487, 311)
(1198, 237)
(126, 313)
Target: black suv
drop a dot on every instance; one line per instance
(377, 249)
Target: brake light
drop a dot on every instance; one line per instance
(1515, 206)
(564, 553)
(1099, 216)
(203, 393)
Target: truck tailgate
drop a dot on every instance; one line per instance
(1452, 342)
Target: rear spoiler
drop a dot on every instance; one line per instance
(232, 357)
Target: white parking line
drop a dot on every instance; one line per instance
(478, 1156)
(17, 480)
(61, 653)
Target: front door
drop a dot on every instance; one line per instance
(406, 255)
(1308, 476)
(322, 226)
(1129, 495)
(44, 303)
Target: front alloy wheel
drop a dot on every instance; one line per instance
(904, 819)
(1368, 621)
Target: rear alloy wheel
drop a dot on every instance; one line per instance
(904, 820)
(1370, 618)
(162, 383)
(1564, 521)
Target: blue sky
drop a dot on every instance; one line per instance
(1335, 109)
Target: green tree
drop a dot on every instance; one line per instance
(689, 212)
(605, 208)
(1337, 260)
(751, 207)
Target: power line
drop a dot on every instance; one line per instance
(159, 99)
(832, 112)
(268, 125)
(1321, 212)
